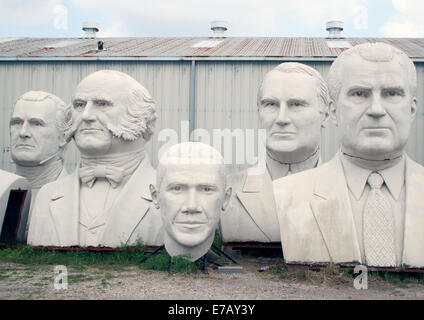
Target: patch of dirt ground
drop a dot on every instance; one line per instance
(23, 281)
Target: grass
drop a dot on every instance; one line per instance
(80, 260)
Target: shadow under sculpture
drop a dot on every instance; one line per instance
(106, 201)
(191, 193)
(365, 205)
(293, 102)
(37, 133)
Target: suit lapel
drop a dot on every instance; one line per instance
(64, 208)
(257, 197)
(131, 206)
(333, 214)
(413, 246)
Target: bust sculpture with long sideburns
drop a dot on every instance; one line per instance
(293, 105)
(37, 138)
(191, 193)
(365, 205)
(106, 201)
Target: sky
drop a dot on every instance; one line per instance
(187, 18)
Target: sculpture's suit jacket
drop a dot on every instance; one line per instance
(316, 220)
(251, 216)
(55, 220)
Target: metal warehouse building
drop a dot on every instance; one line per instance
(209, 83)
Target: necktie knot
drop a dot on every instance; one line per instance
(375, 180)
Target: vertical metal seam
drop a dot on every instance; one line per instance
(192, 106)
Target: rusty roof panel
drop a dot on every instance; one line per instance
(260, 47)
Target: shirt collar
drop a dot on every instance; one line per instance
(356, 177)
(278, 169)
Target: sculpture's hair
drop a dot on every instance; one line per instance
(63, 111)
(140, 115)
(374, 52)
(295, 67)
(190, 153)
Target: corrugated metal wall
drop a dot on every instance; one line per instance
(225, 97)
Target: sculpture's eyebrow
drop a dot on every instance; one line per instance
(398, 89)
(15, 119)
(37, 120)
(296, 99)
(268, 99)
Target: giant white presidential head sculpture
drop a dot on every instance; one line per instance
(365, 205)
(107, 201)
(191, 193)
(374, 90)
(112, 112)
(37, 133)
(293, 102)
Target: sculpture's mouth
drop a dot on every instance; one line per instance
(190, 224)
(283, 134)
(24, 146)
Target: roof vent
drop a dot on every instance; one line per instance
(90, 29)
(218, 28)
(334, 29)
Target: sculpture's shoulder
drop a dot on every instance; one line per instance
(294, 182)
(414, 168)
(54, 189)
(9, 180)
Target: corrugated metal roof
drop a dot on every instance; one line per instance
(238, 47)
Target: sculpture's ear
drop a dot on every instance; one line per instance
(333, 112)
(413, 108)
(154, 195)
(325, 115)
(68, 129)
(227, 198)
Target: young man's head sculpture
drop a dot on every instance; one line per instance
(191, 193)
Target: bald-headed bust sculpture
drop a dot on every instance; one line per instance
(293, 103)
(106, 201)
(191, 193)
(366, 204)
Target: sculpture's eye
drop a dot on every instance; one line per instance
(79, 104)
(393, 93)
(102, 103)
(208, 189)
(16, 122)
(176, 188)
(297, 103)
(359, 95)
(269, 104)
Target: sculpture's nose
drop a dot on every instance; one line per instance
(24, 132)
(88, 114)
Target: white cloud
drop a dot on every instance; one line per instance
(192, 17)
(27, 12)
(407, 22)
